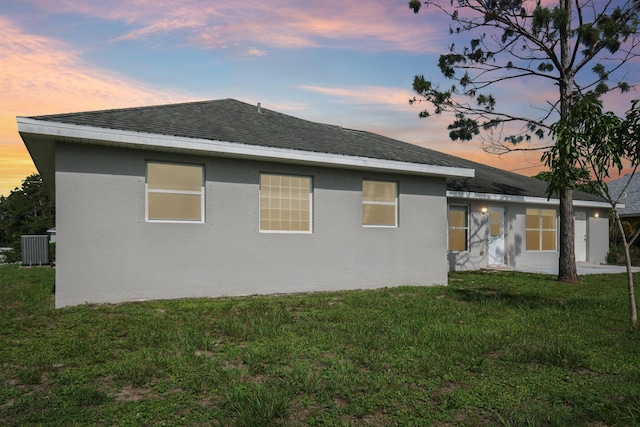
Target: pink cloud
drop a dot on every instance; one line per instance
(430, 132)
(389, 98)
(15, 164)
(165, 26)
(279, 23)
(372, 95)
(42, 76)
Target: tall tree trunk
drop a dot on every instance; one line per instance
(567, 271)
(627, 257)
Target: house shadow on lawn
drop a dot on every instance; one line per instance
(506, 297)
(526, 298)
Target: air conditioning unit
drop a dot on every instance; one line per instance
(35, 250)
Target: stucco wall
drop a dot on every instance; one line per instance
(475, 258)
(517, 254)
(107, 252)
(598, 235)
(515, 237)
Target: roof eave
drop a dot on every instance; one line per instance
(151, 141)
(492, 197)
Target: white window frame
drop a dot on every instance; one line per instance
(372, 202)
(148, 190)
(310, 231)
(466, 227)
(541, 230)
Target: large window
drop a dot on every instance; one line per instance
(175, 192)
(458, 228)
(379, 203)
(541, 230)
(285, 203)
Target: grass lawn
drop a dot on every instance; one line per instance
(490, 349)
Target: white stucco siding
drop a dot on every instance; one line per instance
(474, 258)
(107, 252)
(597, 235)
(515, 236)
(517, 253)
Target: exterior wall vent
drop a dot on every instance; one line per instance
(35, 250)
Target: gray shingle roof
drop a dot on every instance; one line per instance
(234, 121)
(630, 197)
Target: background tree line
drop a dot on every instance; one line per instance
(26, 210)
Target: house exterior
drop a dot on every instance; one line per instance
(219, 198)
(510, 221)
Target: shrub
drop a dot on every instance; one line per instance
(12, 255)
(52, 253)
(616, 255)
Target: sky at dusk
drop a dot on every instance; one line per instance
(348, 63)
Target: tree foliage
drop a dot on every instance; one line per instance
(523, 40)
(593, 140)
(26, 210)
(581, 180)
(599, 142)
(562, 52)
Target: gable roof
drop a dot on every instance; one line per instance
(233, 128)
(631, 196)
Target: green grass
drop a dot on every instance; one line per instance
(490, 349)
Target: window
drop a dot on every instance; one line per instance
(379, 203)
(495, 223)
(541, 230)
(285, 203)
(174, 192)
(458, 228)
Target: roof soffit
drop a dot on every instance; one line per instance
(54, 131)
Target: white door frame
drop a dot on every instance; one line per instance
(580, 235)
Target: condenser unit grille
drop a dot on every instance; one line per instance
(35, 250)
